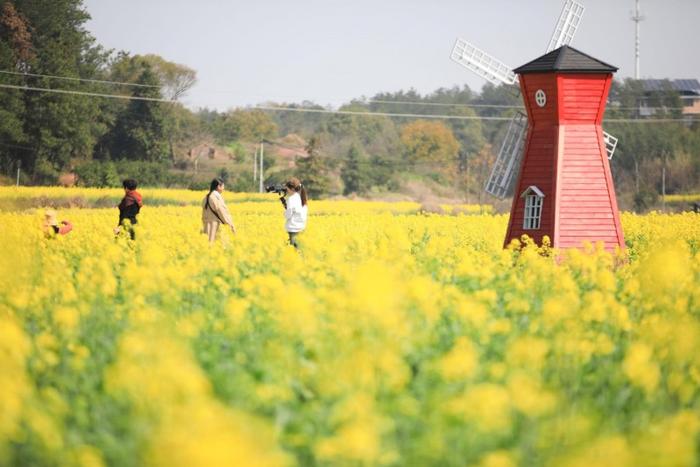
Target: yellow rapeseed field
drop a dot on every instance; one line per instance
(681, 198)
(391, 338)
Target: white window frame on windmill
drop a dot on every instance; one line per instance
(534, 200)
(540, 98)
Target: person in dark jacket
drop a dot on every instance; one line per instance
(129, 207)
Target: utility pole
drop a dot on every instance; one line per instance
(463, 167)
(663, 189)
(468, 197)
(255, 167)
(637, 18)
(19, 165)
(261, 166)
(663, 183)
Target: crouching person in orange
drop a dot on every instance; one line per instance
(52, 226)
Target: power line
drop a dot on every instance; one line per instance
(445, 117)
(15, 146)
(324, 111)
(647, 120)
(68, 78)
(342, 112)
(84, 93)
(613, 108)
(378, 101)
(389, 164)
(378, 114)
(497, 106)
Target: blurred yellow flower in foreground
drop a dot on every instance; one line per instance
(391, 338)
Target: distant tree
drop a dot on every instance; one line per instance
(239, 152)
(425, 141)
(302, 123)
(498, 97)
(254, 125)
(16, 52)
(14, 32)
(480, 165)
(185, 130)
(340, 126)
(666, 102)
(363, 130)
(469, 133)
(625, 98)
(398, 102)
(355, 172)
(223, 174)
(243, 125)
(313, 170)
(173, 81)
(176, 79)
(453, 95)
(60, 127)
(140, 131)
(110, 176)
(90, 174)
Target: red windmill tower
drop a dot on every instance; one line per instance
(565, 189)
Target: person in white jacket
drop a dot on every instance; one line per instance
(296, 210)
(214, 210)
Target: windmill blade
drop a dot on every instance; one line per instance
(481, 63)
(610, 144)
(507, 163)
(567, 25)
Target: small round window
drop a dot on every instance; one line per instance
(540, 98)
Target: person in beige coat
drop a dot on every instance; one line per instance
(214, 210)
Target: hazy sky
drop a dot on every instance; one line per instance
(330, 51)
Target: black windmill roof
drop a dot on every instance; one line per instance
(566, 59)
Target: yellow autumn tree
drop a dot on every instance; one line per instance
(423, 140)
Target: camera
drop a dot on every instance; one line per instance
(278, 188)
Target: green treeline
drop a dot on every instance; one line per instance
(47, 133)
(95, 141)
